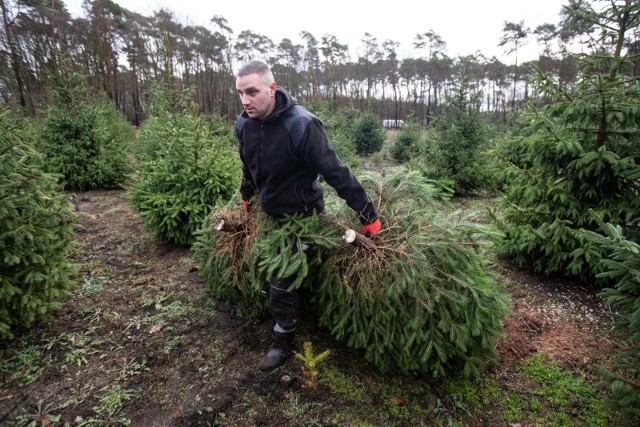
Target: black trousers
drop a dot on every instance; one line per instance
(284, 304)
(284, 301)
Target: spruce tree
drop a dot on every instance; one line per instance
(579, 153)
(85, 139)
(35, 231)
(621, 267)
(406, 145)
(460, 141)
(368, 134)
(188, 167)
(418, 299)
(239, 264)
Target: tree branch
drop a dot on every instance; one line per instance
(354, 238)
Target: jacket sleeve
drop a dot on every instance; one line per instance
(318, 152)
(247, 186)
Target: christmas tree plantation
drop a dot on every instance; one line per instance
(416, 299)
(35, 230)
(578, 151)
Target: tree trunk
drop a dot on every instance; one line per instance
(15, 59)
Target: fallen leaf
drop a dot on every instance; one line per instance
(397, 400)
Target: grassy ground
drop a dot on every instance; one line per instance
(142, 343)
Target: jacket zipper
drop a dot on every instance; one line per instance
(260, 152)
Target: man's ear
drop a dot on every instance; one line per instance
(273, 87)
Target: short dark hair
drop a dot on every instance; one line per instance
(255, 67)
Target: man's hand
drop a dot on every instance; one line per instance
(245, 205)
(371, 229)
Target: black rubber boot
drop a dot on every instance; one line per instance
(279, 352)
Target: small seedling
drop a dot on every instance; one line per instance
(311, 362)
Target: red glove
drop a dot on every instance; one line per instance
(372, 228)
(245, 205)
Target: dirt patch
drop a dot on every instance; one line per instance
(143, 343)
(568, 322)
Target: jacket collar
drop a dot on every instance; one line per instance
(284, 101)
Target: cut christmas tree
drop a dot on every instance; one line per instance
(418, 299)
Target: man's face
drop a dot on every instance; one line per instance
(256, 96)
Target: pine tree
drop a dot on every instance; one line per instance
(621, 266)
(419, 299)
(578, 153)
(311, 363)
(225, 259)
(461, 141)
(35, 231)
(238, 265)
(407, 142)
(85, 139)
(188, 168)
(368, 134)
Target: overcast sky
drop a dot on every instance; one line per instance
(466, 26)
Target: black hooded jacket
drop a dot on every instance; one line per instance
(282, 158)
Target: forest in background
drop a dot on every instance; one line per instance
(566, 165)
(125, 54)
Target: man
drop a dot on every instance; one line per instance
(283, 148)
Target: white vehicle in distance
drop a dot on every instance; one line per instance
(392, 124)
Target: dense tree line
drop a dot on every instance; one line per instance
(123, 53)
(569, 163)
